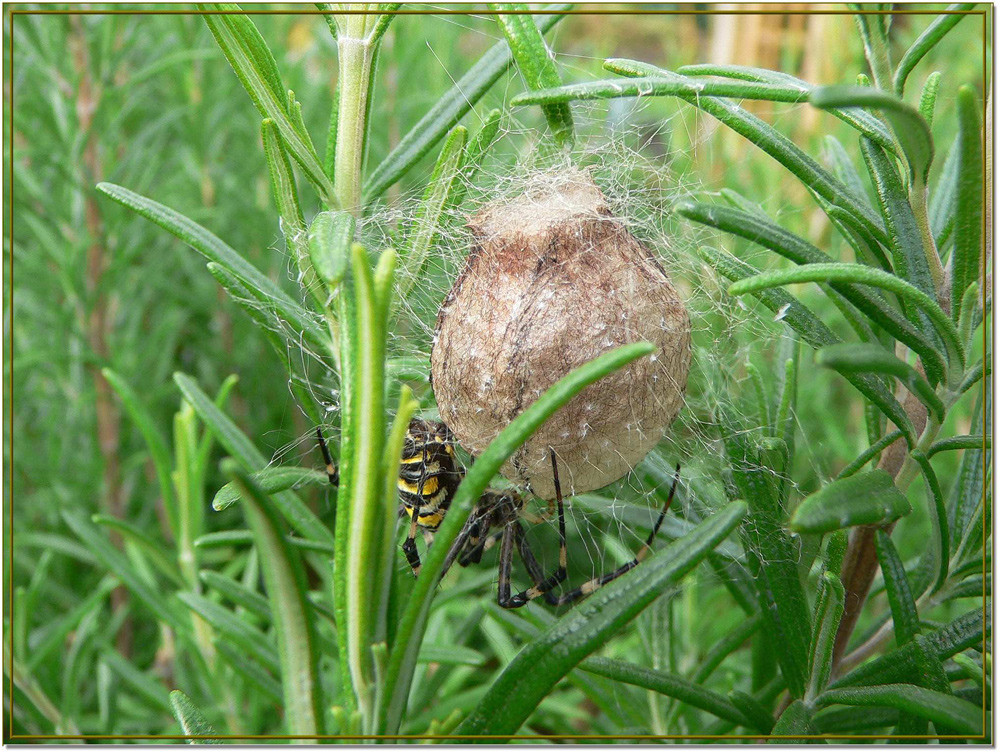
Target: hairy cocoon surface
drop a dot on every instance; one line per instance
(553, 280)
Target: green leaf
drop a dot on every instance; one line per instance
(215, 250)
(536, 669)
(865, 276)
(528, 48)
(158, 556)
(410, 632)
(966, 509)
(330, 237)
(812, 330)
(961, 442)
(240, 447)
(286, 199)
(795, 720)
(968, 208)
(928, 97)
(871, 358)
(449, 109)
(780, 147)
(246, 638)
(771, 555)
(270, 480)
(237, 593)
(938, 516)
(144, 685)
(117, 563)
(670, 685)
(427, 220)
(868, 498)
(926, 42)
(905, 620)
(932, 705)
(909, 127)
(864, 122)
(291, 611)
(870, 454)
(159, 452)
(909, 254)
(252, 670)
(254, 65)
(762, 231)
(829, 611)
(192, 720)
(906, 664)
(942, 203)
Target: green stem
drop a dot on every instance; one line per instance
(918, 203)
(355, 54)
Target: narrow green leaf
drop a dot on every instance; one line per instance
(237, 593)
(192, 720)
(224, 539)
(56, 633)
(909, 127)
(410, 633)
(543, 662)
(938, 516)
(926, 42)
(864, 276)
(870, 454)
(450, 108)
(812, 330)
(330, 237)
(795, 720)
(271, 480)
(215, 250)
(764, 232)
(475, 154)
(238, 632)
(843, 166)
(828, 613)
(286, 199)
(159, 452)
(779, 147)
(928, 97)
(239, 446)
(905, 620)
(528, 48)
(158, 556)
(254, 66)
(910, 259)
(670, 685)
(244, 664)
(868, 498)
(114, 561)
(905, 664)
(870, 358)
(146, 687)
(968, 255)
(771, 555)
(427, 219)
(290, 608)
(961, 442)
(863, 121)
(966, 509)
(932, 705)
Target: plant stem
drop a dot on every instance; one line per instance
(355, 54)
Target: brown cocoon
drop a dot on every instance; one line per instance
(553, 280)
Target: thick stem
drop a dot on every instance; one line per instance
(355, 56)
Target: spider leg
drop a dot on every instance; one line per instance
(332, 472)
(410, 548)
(541, 587)
(592, 585)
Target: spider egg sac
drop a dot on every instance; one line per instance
(552, 281)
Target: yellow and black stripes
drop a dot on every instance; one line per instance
(429, 475)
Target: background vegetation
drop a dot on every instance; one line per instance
(127, 584)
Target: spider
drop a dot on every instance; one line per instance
(429, 474)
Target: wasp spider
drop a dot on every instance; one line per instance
(429, 474)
